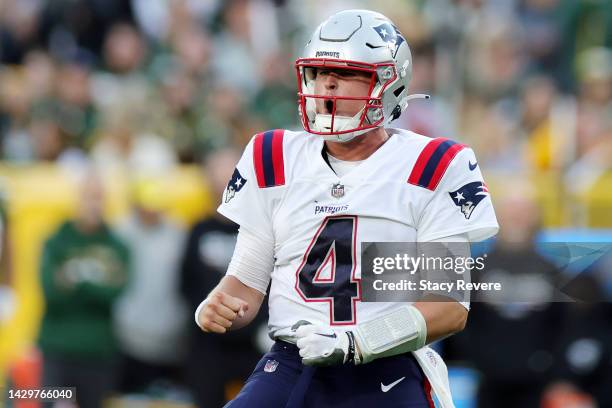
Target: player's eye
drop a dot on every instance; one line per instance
(339, 73)
(345, 73)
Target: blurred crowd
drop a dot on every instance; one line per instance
(528, 83)
(117, 80)
(144, 85)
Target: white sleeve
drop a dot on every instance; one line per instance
(244, 202)
(252, 263)
(460, 204)
(253, 260)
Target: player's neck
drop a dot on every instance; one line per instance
(360, 148)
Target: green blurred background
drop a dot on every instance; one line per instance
(144, 91)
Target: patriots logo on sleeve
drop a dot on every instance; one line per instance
(235, 185)
(390, 35)
(468, 197)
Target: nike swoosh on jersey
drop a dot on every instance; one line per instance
(472, 166)
(385, 388)
(333, 336)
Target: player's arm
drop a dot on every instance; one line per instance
(234, 303)
(443, 317)
(231, 305)
(236, 300)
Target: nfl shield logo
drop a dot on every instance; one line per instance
(270, 366)
(337, 190)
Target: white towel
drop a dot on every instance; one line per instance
(436, 372)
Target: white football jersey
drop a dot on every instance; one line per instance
(412, 189)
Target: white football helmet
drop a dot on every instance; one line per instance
(359, 40)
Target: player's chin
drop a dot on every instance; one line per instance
(339, 112)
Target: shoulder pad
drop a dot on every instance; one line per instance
(268, 158)
(433, 161)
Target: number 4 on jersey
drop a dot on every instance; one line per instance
(333, 244)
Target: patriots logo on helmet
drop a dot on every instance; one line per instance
(391, 35)
(235, 185)
(468, 197)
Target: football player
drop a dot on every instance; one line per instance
(306, 200)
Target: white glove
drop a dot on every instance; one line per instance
(397, 332)
(324, 346)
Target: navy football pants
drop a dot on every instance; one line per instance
(280, 380)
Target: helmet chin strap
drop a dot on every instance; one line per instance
(323, 122)
(346, 137)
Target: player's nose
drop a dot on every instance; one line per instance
(331, 82)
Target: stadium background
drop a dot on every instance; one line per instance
(145, 89)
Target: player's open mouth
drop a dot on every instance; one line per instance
(329, 106)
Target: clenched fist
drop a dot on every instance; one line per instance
(218, 312)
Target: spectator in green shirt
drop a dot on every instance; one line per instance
(84, 269)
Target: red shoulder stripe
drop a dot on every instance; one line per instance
(277, 157)
(258, 159)
(268, 158)
(446, 160)
(423, 158)
(432, 162)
